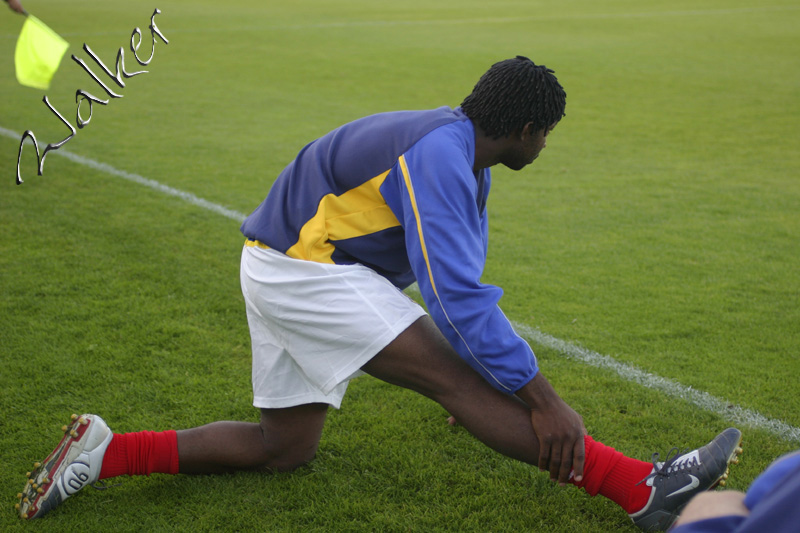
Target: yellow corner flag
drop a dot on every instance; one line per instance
(39, 52)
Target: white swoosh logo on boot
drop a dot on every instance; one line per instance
(691, 486)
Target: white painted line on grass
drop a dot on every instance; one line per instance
(136, 178)
(704, 400)
(481, 21)
(526, 19)
(160, 187)
(701, 399)
(452, 22)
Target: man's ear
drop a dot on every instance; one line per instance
(527, 130)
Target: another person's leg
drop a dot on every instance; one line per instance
(708, 505)
(770, 503)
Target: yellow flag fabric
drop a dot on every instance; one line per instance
(39, 52)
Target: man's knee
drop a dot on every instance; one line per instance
(286, 459)
(290, 437)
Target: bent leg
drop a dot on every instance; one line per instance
(422, 360)
(284, 440)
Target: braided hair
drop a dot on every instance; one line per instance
(511, 94)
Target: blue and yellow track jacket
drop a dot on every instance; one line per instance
(396, 192)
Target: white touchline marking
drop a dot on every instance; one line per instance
(166, 189)
(447, 22)
(136, 178)
(701, 399)
(517, 20)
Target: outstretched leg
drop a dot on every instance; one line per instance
(422, 360)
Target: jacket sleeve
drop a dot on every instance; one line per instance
(446, 240)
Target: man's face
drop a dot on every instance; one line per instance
(527, 147)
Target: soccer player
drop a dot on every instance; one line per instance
(360, 214)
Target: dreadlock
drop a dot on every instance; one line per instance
(511, 94)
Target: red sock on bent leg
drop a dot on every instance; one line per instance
(141, 454)
(611, 474)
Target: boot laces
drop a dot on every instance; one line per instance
(677, 461)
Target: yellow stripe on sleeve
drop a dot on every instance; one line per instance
(413, 198)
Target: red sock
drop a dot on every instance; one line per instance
(141, 454)
(611, 474)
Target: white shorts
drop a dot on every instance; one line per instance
(314, 325)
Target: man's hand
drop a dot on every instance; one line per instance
(559, 428)
(16, 6)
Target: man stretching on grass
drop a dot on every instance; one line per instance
(360, 214)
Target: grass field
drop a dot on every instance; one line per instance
(660, 227)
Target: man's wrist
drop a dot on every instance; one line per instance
(537, 393)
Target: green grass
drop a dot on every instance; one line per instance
(660, 227)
